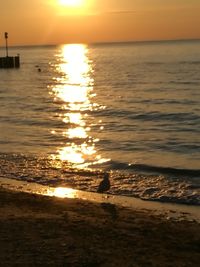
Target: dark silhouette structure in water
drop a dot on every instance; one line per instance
(104, 184)
(9, 62)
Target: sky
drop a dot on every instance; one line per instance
(90, 21)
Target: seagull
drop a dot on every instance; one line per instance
(104, 184)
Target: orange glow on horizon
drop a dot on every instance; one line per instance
(90, 21)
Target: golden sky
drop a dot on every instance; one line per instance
(89, 21)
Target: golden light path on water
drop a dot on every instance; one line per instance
(74, 87)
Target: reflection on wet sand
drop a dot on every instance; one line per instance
(62, 192)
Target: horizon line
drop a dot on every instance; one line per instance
(107, 42)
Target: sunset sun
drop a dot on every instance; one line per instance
(71, 3)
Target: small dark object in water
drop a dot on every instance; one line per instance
(104, 184)
(39, 70)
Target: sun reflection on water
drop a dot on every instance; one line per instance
(73, 91)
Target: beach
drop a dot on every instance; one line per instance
(39, 230)
(75, 113)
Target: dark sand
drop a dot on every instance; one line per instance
(46, 231)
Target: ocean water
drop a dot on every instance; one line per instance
(73, 112)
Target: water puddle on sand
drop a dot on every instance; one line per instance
(169, 211)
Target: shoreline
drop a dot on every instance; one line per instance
(174, 211)
(38, 230)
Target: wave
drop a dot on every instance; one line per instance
(114, 165)
(149, 116)
(166, 116)
(185, 82)
(133, 180)
(192, 62)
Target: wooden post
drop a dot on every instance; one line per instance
(6, 37)
(9, 62)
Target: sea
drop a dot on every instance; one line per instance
(73, 112)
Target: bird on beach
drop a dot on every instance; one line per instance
(104, 184)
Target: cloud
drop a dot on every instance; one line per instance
(112, 13)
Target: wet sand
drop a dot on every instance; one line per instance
(39, 230)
